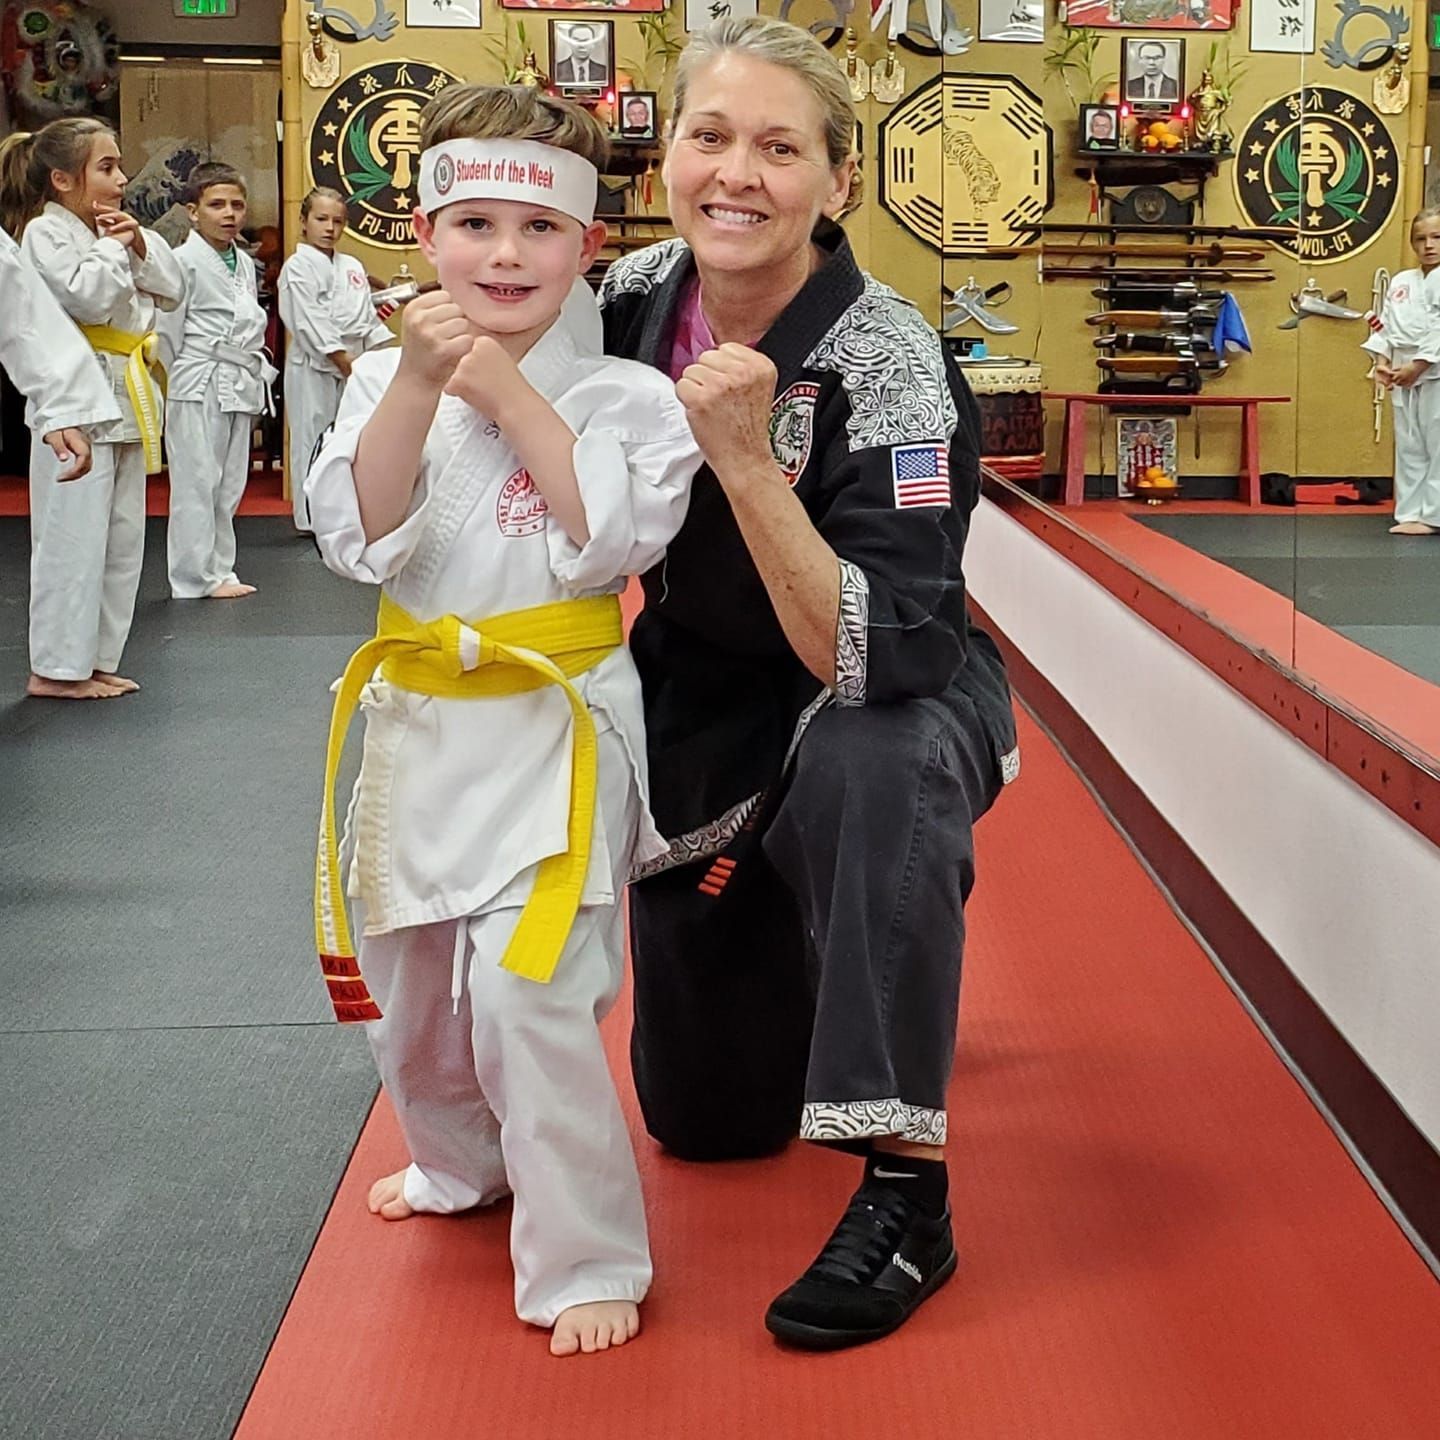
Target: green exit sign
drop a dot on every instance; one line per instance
(1435, 32)
(192, 9)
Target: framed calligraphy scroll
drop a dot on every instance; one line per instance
(1284, 27)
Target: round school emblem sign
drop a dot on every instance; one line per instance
(365, 143)
(1321, 160)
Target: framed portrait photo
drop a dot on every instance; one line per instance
(1152, 71)
(446, 14)
(1099, 127)
(636, 115)
(582, 56)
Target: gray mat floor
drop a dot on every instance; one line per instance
(1380, 590)
(175, 1106)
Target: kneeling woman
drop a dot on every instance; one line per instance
(824, 727)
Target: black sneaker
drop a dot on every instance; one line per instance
(885, 1257)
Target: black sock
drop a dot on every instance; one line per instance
(925, 1181)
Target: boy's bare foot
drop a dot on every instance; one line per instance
(124, 686)
(92, 689)
(596, 1326)
(1412, 527)
(232, 590)
(387, 1198)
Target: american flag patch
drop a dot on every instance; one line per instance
(922, 475)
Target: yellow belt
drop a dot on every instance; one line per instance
(459, 660)
(143, 352)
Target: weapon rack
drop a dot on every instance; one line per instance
(1109, 171)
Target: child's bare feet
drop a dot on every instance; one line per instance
(1412, 527)
(387, 1198)
(92, 689)
(232, 590)
(596, 1326)
(124, 686)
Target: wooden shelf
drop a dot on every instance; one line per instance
(1132, 167)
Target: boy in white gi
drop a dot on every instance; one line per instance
(325, 305)
(1407, 344)
(500, 477)
(213, 348)
(87, 536)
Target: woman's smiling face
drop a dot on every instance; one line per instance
(746, 170)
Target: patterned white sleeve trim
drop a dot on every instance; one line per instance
(1010, 767)
(860, 1119)
(852, 635)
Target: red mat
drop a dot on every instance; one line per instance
(264, 495)
(1160, 1237)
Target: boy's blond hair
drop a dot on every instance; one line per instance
(513, 112)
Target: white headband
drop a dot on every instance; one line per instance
(508, 170)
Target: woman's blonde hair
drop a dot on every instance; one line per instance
(787, 46)
(27, 162)
(513, 112)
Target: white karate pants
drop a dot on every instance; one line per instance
(514, 1091)
(87, 542)
(1417, 453)
(311, 399)
(209, 453)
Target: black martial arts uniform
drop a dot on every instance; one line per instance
(797, 954)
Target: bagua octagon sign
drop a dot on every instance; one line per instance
(365, 143)
(965, 163)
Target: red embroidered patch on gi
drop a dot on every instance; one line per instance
(521, 509)
(792, 428)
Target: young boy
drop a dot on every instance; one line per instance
(500, 478)
(213, 350)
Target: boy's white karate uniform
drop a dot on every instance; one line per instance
(213, 348)
(87, 536)
(459, 800)
(325, 305)
(48, 360)
(1410, 330)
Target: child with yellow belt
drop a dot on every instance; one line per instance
(88, 534)
(500, 478)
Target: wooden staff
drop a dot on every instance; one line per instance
(1214, 253)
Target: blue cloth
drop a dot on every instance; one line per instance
(1230, 331)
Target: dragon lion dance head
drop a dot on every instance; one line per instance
(61, 57)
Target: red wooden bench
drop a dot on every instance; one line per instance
(1072, 454)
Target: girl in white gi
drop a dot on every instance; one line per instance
(87, 536)
(325, 305)
(46, 357)
(501, 470)
(1407, 344)
(214, 352)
